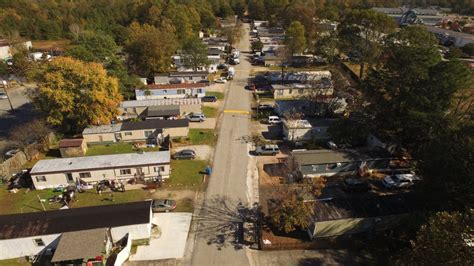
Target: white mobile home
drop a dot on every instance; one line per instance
(36, 233)
(171, 91)
(92, 169)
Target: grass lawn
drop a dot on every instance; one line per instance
(202, 137)
(14, 262)
(115, 148)
(209, 111)
(28, 202)
(184, 205)
(219, 95)
(186, 174)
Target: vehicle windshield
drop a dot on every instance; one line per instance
(167, 202)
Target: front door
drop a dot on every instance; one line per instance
(69, 178)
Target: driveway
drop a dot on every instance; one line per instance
(171, 242)
(209, 123)
(203, 152)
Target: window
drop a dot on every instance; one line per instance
(165, 91)
(128, 133)
(290, 91)
(85, 175)
(190, 78)
(41, 178)
(199, 90)
(148, 133)
(39, 242)
(180, 91)
(161, 169)
(279, 92)
(125, 172)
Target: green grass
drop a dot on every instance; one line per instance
(184, 205)
(14, 262)
(186, 174)
(210, 112)
(219, 95)
(115, 148)
(202, 137)
(28, 202)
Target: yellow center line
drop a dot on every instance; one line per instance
(237, 112)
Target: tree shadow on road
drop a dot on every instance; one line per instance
(221, 221)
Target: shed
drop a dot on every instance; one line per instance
(80, 246)
(72, 147)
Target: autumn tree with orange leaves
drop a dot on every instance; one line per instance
(73, 94)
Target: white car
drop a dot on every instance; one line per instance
(221, 80)
(399, 181)
(274, 120)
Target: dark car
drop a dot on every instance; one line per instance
(209, 99)
(355, 185)
(163, 205)
(184, 154)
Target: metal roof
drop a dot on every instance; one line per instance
(75, 219)
(164, 110)
(112, 128)
(68, 143)
(84, 244)
(160, 102)
(154, 124)
(114, 161)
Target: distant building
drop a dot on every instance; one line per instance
(73, 235)
(52, 173)
(323, 87)
(346, 216)
(150, 131)
(319, 163)
(303, 130)
(133, 109)
(6, 48)
(171, 91)
(72, 147)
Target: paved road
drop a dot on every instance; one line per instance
(227, 192)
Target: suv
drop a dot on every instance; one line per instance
(196, 117)
(184, 154)
(267, 150)
(352, 184)
(398, 181)
(209, 99)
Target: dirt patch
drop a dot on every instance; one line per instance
(173, 194)
(203, 152)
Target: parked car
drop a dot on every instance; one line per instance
(263, 107)
(353, 184)
(273, 119)
(163, 205)
(184, 154)
(209, 99)
(11, 152)
(3, 95)
(398, 181)
(267, 150)
(221, 80)
(222, 66)
(196, 117)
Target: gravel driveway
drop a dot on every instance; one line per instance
(203, 152)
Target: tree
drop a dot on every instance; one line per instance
(257, 46)
(233, 31)
(469, 49)
(290, 212)
(30, 131)
(295, 39)
(446, 239)
(454, 53)
(194, 53)
(326, 46)
(127, 83)
(94, 47)
(73, 94)
(150, 49)
(362, 33)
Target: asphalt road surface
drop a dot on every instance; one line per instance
(226, 198)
